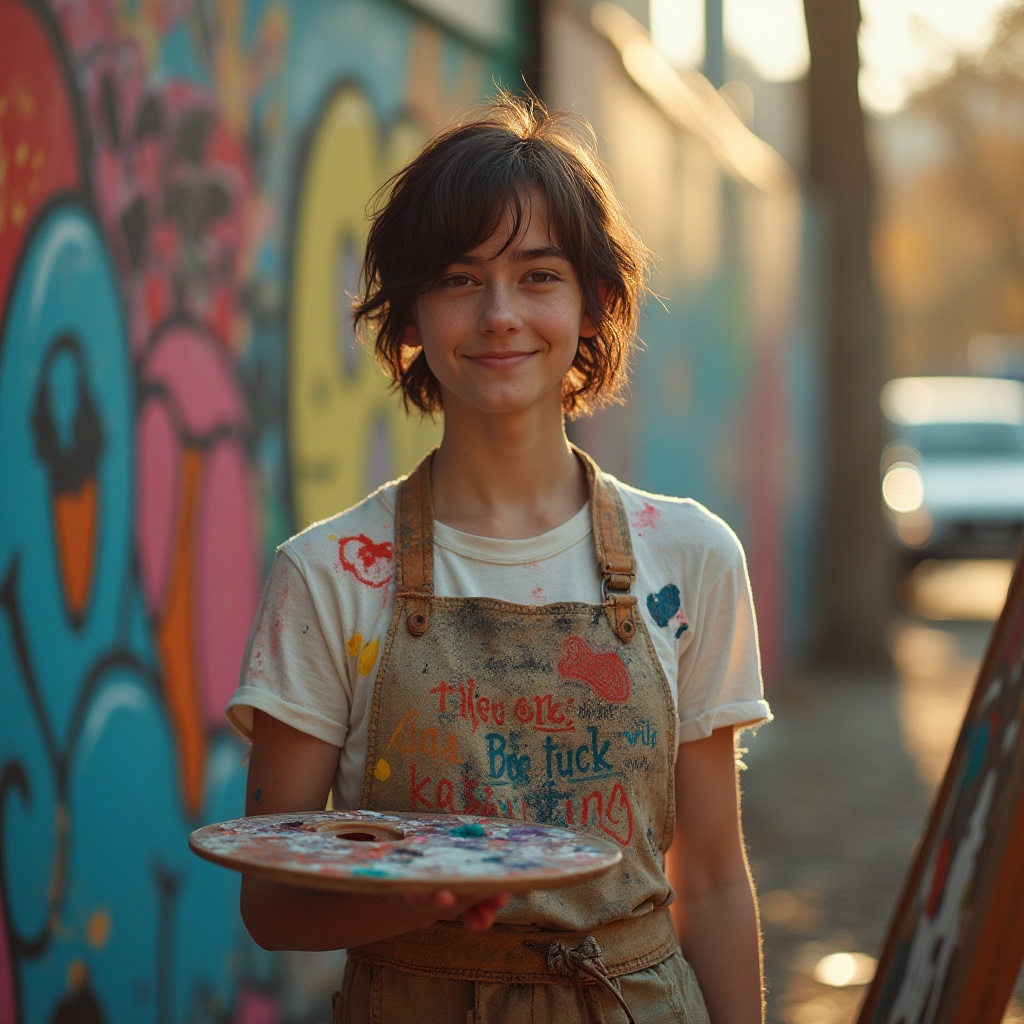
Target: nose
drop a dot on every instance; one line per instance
(499, 312)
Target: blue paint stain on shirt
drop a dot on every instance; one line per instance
(664, 606)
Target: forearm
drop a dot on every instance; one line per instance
(720, 936)
(291, 917)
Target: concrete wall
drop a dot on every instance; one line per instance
(182, 187)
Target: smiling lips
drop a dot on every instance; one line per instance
(499, 360)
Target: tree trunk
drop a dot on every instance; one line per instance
(853, 586)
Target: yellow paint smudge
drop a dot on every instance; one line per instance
(382, 771)
(368, 656)
(355, 642)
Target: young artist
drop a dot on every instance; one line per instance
(511, 632)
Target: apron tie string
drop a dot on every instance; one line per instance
(586, 958)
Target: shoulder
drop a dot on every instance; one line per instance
(358, 540)
(661, 524)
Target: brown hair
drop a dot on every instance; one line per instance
(454, 195)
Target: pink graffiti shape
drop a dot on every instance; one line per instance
(603, 671)
(370, 563)
(226, 573)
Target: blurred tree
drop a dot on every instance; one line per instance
(853, 584)
(951, 240)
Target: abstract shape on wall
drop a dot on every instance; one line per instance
(335, 394)
(196, 532)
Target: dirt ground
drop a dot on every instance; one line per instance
(839, 786)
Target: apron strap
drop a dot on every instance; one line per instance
(414, 543)
(614, 548)
(414, 546)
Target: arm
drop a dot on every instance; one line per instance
(715, 910)
(292, 771)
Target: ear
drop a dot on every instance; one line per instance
(411, 336)
(587, 327)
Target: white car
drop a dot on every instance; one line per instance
(953, 471)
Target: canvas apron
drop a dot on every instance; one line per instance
(559, 714)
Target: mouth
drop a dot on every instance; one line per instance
(499, 360)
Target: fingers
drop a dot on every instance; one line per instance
(445, 905)
(437, 905)
(480, 916)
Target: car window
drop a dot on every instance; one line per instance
(967, 439)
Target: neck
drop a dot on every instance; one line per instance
(511, 483)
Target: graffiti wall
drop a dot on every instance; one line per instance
(182, 194)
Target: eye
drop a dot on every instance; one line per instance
(454, 281)
(541, 277)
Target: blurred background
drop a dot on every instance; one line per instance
(832, 190)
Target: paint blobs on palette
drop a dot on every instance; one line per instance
(370, 851)
(468, 831)
(371, 873)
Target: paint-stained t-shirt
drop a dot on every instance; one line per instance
(315, 646)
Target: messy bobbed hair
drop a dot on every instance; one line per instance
(455, 194)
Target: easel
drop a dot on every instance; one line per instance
(956, 940)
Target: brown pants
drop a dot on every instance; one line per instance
(666, 993)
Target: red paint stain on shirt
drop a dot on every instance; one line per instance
(370, 562)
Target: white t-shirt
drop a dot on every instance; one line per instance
(314, 648)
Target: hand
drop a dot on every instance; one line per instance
(476, 914)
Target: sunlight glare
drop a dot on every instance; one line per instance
(904, 43)
(842, 969)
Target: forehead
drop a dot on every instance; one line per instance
(526, 225)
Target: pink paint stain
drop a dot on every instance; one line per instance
(646, 519)
(603, 671)
(371, 563)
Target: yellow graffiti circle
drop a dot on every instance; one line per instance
(340, 406)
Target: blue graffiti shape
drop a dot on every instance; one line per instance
(664, 606)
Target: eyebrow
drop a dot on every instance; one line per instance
(518, 256)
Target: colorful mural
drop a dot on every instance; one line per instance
(182, 190)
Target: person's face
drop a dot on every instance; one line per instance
(499, 330)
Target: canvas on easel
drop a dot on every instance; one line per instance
(954, 947)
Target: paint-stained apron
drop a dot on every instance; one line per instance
(559, 714)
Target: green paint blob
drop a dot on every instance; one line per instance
(468, 831)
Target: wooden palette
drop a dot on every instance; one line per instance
(370, 851)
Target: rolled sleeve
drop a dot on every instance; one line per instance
(288, 670)
(720, 672)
